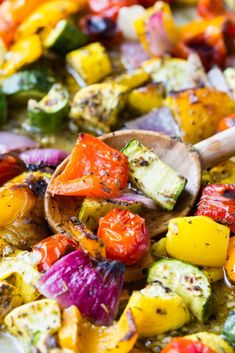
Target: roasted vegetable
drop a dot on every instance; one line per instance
(205, 242)
(156, 309)
(64, 37)
(210, 8)
(3, 108)
(213, 274)
(10, 167)
(218, 203)
(70, 280)
(52, 249)
(198, 111)
(185, 345)
(176, 74)
(223, 173)
(49, 114)
(187, 281)
(145, 99)
(138, 271)
(167, 184)
(93, 209)
(156, 30)
(213, 341)
(229, 265)
(10, 298)
(226, 123)
(23, 52)
(125, 236)
(133, 79)
(97, 107)
(229, 328)
(33, 322)
(44, 157)
(22, 265)
(47, 15)
(92, 56)
(79, 335)
(27, 84)
(94, 170)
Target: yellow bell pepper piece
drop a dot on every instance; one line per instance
(91, 62)
(157, 313)
(23, 52)
(198, 111)
(223, 173)
(80, 336)
(145, 99)
(213, 274)
(133, 78)
(15, 202)
(198, 240)
(47, 15)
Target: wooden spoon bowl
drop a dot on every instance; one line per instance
(181, 157)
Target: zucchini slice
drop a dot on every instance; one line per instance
(3, 108)
(213, 341)
(93, 209)
(27, 84)
(153, 177)
(48, 115)
(156, 309)
(229, 328)
(187, 281)
(65, 37)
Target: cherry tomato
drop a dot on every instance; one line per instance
(53, 248)
(183, 345)
(210, 8)
(109, 8)
(95, 169)
(125, 236)
(226, 123)
(10, 167)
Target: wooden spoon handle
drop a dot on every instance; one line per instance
(217, 148)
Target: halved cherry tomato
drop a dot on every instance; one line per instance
(10, 167)
(53, 248)
(125, 236)
(210, 8)
(95, 169)
(109, 8)
(226, 123)
(183, 345)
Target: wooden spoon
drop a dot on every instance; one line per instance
(186, 159)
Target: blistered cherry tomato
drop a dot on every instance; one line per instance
(183, 345)
(53, 248)
(125, 236)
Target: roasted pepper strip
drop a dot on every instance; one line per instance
(10, 167)
(53, 248)
(23, 52)
(230, 264)
(218, 203)
(94, 170)
(47, 15)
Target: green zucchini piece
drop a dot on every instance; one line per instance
(48, 115)
(65, 37)
(27, 84)
(153, 177)
(3, 108)
(187, 281)
(93, 209)
(213, 341)
(229, 328)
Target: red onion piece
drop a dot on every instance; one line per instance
(91, 285)
(133, 197)
(160, 120)
(44, 157)
(10, 142)
(133, 55)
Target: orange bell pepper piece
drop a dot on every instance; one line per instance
(230, 264)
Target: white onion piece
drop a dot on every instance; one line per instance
(126, 19)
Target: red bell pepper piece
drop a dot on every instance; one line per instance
(125, 236)
(10, 167)
(210, 8)
(218, 203)
(95, 169)
(183, 345)
(53, 248)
